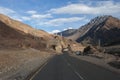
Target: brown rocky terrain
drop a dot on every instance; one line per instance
(17, 64)
(23, 49)
(14, 34)
(102, 34)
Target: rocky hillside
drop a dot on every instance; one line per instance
(102, 30)
(14, 34)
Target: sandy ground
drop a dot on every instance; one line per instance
(100, 62)
(18, 64)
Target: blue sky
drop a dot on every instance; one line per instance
(58, 15)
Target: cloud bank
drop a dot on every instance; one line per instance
(105, 7)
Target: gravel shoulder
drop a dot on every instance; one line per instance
(99, 62)
(18, 64)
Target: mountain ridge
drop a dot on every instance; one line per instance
(99, 28)
(21, 26)
(15, 34)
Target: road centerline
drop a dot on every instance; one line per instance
(79, 75)
(74, 70)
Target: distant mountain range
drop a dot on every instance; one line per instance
(102, 30)
(68, 32)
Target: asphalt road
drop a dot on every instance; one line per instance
(65, 67)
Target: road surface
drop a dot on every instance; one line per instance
(65, 67)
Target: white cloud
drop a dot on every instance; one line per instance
(36, 19)
(103, 7)
(70, 28)
(6, 11)
(33, 15)
(16, 17)
(26, 18)
(40, 16)
(31, 12)
(11, 13)
(67, 28)
(54, 31)
(61, 21)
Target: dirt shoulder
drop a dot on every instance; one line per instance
(100, 62)
(18, 64)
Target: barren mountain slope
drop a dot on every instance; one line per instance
(22, 27)
(103, 29)
(14, 34)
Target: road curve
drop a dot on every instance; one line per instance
(65, 67)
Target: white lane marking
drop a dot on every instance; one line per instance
(75, 70)
(37, 72)
(79, 75)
